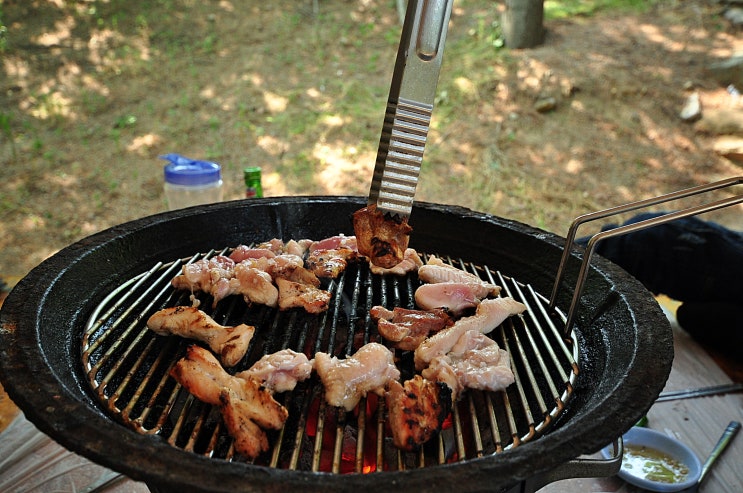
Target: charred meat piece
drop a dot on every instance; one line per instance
(346, 381)
(381, 237)
(291, 267)
(297, 295)
(247, 407)
(411, 262)
(417, 409)
(405, 328)
(230, 343)
(489, 315)
(331, 263)
(328, 258)
(326, 263)
(279, 371)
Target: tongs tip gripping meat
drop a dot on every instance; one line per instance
(409, 106)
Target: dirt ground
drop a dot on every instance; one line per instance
(93, 92)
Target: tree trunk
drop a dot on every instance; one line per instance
(523, 23)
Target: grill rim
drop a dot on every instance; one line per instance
(31, 373)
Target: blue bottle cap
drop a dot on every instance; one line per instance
(185, 171)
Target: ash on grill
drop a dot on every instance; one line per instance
(128, 370)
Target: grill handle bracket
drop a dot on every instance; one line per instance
(581, 467)
(629, 228)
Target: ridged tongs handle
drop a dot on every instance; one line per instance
(409, 106)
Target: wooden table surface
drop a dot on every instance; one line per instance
(698, 422)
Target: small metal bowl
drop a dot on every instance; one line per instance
(670, 447)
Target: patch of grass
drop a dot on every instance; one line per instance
(7, 130)
(300, 170)
(3, 32)
(93, 102)
(125, 121)
(562, 9)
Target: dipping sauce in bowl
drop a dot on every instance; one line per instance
(656, 462)
(653, 465)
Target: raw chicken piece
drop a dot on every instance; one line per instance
(255, 285)
(246, 406)
(297, 247)
(270, 249)
(230, 343)
(286, 266)
(244, 252)
(381, 237)
(455, 297)
(280, 371)
(437, 271)
(276, 245)
(211, 276)
(475, 362)
(335, 243)
(489, 315)
(417, 409)
(298, 295)
(347, 380)
(408, 328)
(411, 262)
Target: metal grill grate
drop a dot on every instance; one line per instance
(127, 367)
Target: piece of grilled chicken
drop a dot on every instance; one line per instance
(406, 328)
(298, 295)
(417, 410)
(230, 343)
(248, 407)
(280, 371)
(381, 237)
(490, 314)
(347, 380)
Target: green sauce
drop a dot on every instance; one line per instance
(653, 465)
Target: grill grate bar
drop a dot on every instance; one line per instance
(475, 426)
(125, 292)
(128, 370)
(459, 439)
(517, 349)
(546, 345)
(494, 428)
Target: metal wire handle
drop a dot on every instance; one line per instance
(629, 228)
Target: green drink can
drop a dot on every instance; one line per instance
(253, 187)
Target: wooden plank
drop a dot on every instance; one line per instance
(698, 422)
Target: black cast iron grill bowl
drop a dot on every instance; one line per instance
(623, 338)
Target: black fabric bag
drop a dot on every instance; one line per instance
(699, 263)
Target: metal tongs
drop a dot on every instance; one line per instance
(409, 106)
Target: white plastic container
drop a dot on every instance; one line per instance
(191, 182)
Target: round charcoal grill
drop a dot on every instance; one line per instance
(127, 366)
(75, 357)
